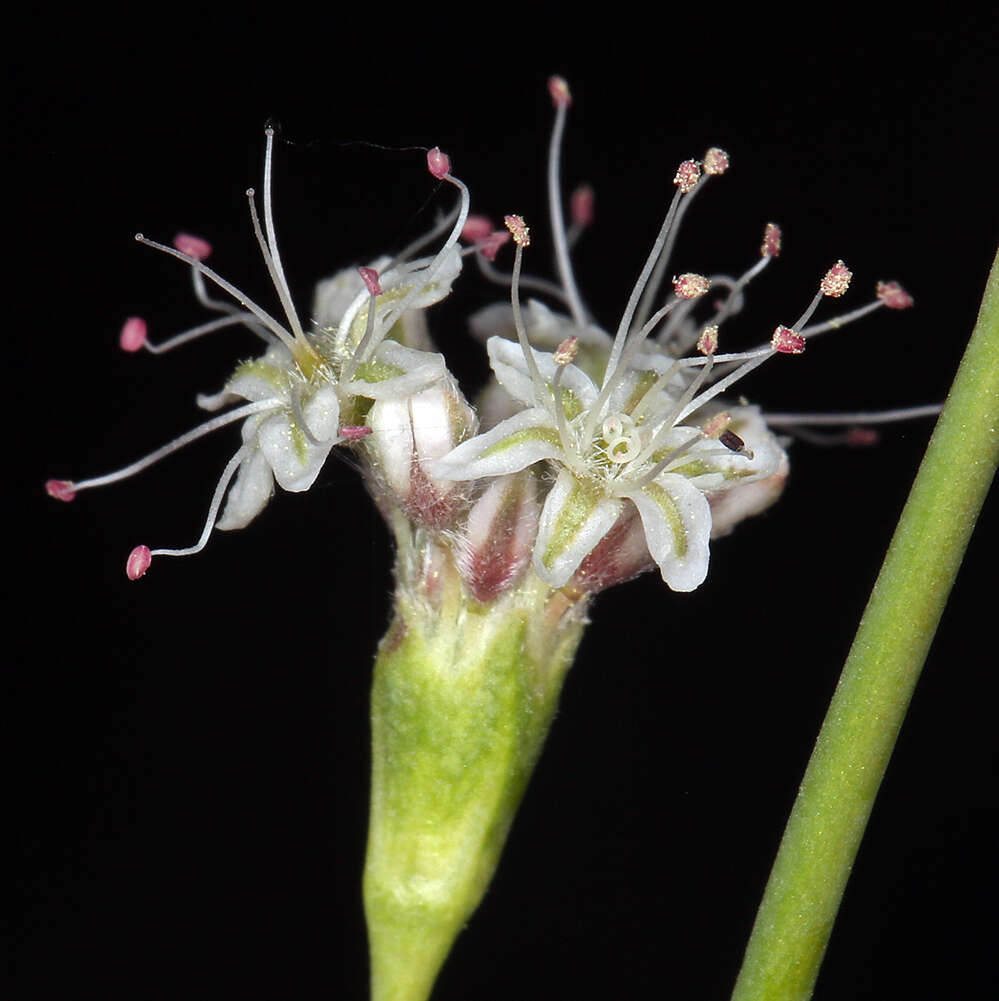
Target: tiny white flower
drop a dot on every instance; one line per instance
(309, 391)
(630, 430)
(610, 448)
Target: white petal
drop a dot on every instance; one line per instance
(334, 295)
(573, 521)
(392, 437)
(249, 494)
(677, 522)
(510, 365)
(264, 377)
(416, 370)
(397, 283)
(322, 413)
(295, 461)
(494, 320)
(735, 504)
(513, 445)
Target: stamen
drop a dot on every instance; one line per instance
(532, 282)
(563, 355)
(687, 176)
(263, 316)
(685, 182)
(566, 352)
(581, 213)
(716, 425)
(442, 225)
(771, 240)
(893, 295)
(707, 343)
(66, 489)
(581, 203)
(690, 286)
(559, 91)
(768, 251)
(836, 280)
(200, 249)
(439, 165)
(370, 279)
(672, 457)
(668, 420)
(277, 275)
(138, 562)
(684, 176)
(354, 432)
(786, 341)
(129, 336)
(476, 228)
(753, 360)
(194, 246)
(716, 161)
(277, 272)
(859, 417)
(522, 238)
(63, 490)
(518, 230)
(140, 557)
(834, 283)
(490, 246)
(133, 334)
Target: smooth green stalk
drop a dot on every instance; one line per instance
(828, 819)
(462, 700)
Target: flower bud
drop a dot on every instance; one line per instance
(411, 432)
(496, 546)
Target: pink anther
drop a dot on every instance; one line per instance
(518, 230)
(581, 205)
(489, 247)
(370, 278)
(193, 246)
(707, 343)
(438, 163)
(138, 562)
(353, 432)
(836, 280)
(786, 341)
(477, 227)
(566, 351)
(60, 489)
(716, 425)
(894, 296)
(690, 286)
(715, 161)
(862, 437)
(559, 91)
(133, 334)
(771, 240)
(687, 176)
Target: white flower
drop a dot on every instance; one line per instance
(609, 449)
(309, 390)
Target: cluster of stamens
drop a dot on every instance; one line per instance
(313, 365)
(651, 412)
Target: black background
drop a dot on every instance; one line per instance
(189, 753)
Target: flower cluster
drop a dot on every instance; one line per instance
(599, 455)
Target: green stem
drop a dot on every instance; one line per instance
(827, 822)
(463, 696)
